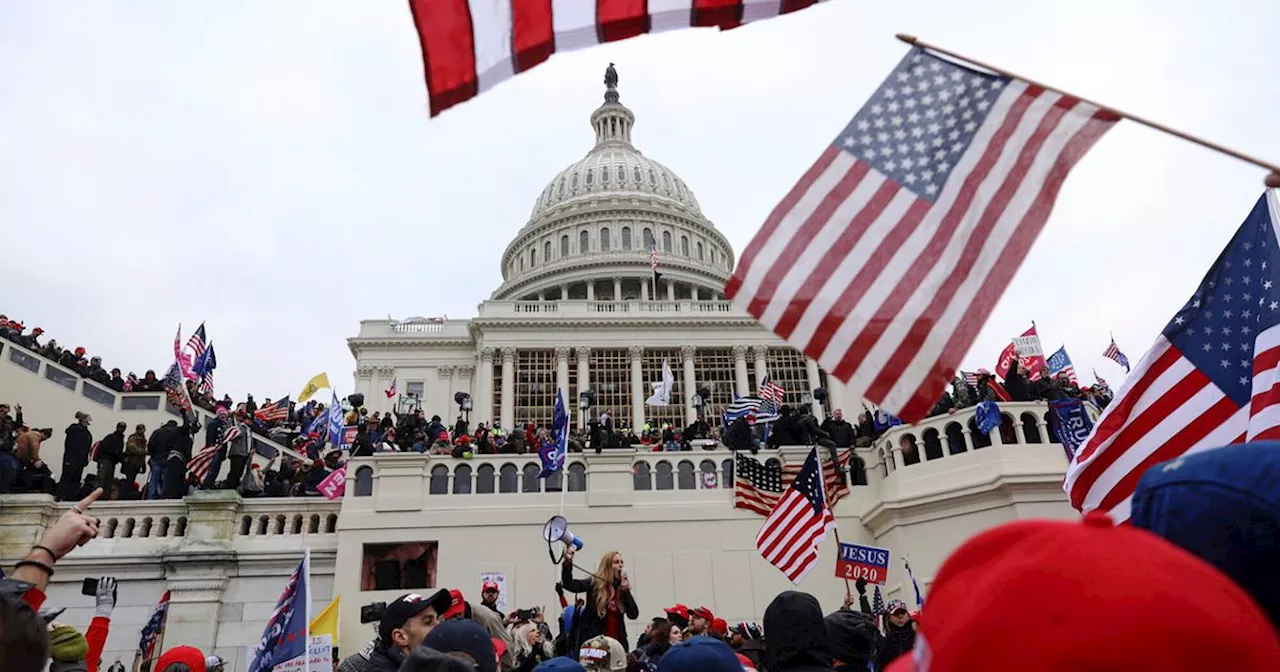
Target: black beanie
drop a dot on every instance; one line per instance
(852, 635)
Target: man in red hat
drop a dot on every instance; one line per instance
(700, 620)
(489, 592)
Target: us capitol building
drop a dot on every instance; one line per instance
(577, 310)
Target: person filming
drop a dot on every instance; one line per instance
(609, 601)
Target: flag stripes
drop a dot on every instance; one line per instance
(798, 523)
(757, 488)
(468, 46)
(887, 288)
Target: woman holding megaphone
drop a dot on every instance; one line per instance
(609, 602)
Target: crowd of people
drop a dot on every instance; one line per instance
(1190, 583)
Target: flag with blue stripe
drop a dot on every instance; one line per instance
(554, 454)
(286, 635)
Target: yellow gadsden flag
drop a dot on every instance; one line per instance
(319, 382)
(326, 622)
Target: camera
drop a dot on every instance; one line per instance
(372, 612)
(90, 588)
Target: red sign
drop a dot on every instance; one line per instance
(863, 562)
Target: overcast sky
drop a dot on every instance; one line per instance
(270, 167)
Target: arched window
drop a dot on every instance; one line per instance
(546, 252)
(521, 264)
(684, 245)
(699, 248)
(508, 478)
(686, 478)
(530, 479)
(564, 246)
(726, 474)
(533, 257)
(364, 481)
(439, 484)
(709, 477)
(666, 241)
(484, 479)
(584, 242)
(577, 477)
(648, 238)
(591, 174)
(641, 478)
(626, 237)
(604, 239)
(462, 479)
(665, 479)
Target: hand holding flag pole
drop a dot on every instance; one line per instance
(1273, 176)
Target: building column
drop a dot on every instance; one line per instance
(762, 369)
(617, 289)
(508, 389)
(564, 292)
(562, 374)
(671, 290)
(835, 395)
(542, 295)
(584, 378)
(591, 290)
(690, 384)
(637, 389)
(644, 290)
(815, 381)
(740, 384)
(484, 387)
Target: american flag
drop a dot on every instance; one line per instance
(274, 412)
(1060, 362)
(1113, 353)
(771, 391)
(391, 391)
(469, 46)
(887, 257)
(175, 388)
(797, 525)
(202, 461)
(206, 362)
(1210, 379)
(151, 631)
(1100, 380)
(877, 606)
(197, 343)
(970, 378)
(653, 257)
(757, 487)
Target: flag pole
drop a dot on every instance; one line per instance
(1273, 179)
(835, 529)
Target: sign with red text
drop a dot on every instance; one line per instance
(335, 484)
(863, 562)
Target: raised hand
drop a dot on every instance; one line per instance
(74, 528)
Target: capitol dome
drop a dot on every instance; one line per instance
(591, 229)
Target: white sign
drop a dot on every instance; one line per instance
(319, 658)
(499, 578)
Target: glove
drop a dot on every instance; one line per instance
(105, 597)
(861, 585)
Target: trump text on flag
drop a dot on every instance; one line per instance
(863, 562)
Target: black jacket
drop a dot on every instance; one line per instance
(796, 639)
(896, 642)
(591, 624)
(841, 432)
(423, 659)
(112, 446)
(786, 432)
(78, 444)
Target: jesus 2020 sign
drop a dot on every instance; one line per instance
(863, 562)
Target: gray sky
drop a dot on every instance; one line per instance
(270, 168)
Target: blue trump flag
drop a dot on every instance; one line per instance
(1072, 424)
(987, 416)
(335, 422)
(287, 632)
(553, 455)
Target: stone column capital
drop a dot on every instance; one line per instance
(688, 351)
(508, 354)
(740, 351)
(486, 354)
(637, 351)
(583, 354)
(562, 353)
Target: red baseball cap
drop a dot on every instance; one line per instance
(680, 611)
(1168, 610)
(702, 612)
(187, 655)
(458, 608)
(720, 627)
(489, 585)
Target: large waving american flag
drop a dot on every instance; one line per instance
(799, 522)
(468, 46)
(757, 487)
(887, 257)
(1210, 380)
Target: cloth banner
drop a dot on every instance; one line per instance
(319, 656)
(1028, 345)
(335, 484)
(987, 417)
(1072, 424)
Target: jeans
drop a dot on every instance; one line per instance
(155, 484)
(10, 467)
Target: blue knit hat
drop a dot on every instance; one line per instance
(700, 654)
(1222, 505)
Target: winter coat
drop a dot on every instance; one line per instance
(841, 432)
(796, 634)
(896, 642)
(590, 623)
(112, 446)
(423, 659)
(79, 442)
(241, 445)
(135, 451)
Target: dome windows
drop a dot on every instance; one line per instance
(684, 245)
(622, 174)
(564, 245)
(635, 173)
(653, 179)
(584, 242)
(699, 248)
(648, 238)
(666, 241)
(574, 184)
(626, 237)
(546, 252)
(604, 239)
(533, 257)
(604, 175)
(591, 174)
(561, 189)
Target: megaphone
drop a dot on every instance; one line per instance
(557, 529)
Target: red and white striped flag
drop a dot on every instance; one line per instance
(886, 259)
(1211, 379)
(799, 522)
(468, 46)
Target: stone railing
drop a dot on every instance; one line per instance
(577, 308)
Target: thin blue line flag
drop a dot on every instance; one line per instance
(286, 635)
(553, 454)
